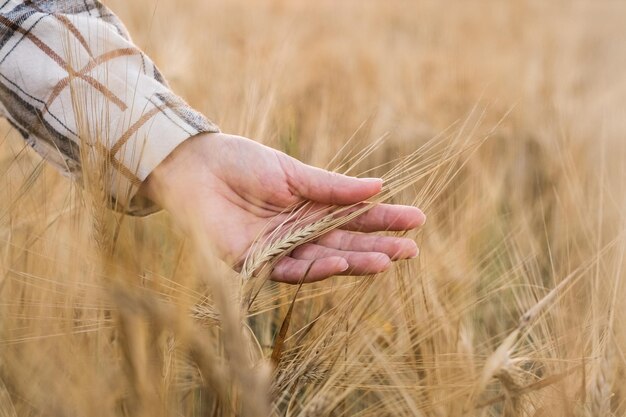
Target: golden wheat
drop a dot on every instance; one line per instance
(502, 120)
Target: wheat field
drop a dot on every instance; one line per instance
(504, 120)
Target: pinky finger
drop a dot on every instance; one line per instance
(292, 271)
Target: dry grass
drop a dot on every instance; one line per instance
(503, 119)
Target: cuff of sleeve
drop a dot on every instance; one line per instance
(167, 129)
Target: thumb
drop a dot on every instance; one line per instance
(328, 187)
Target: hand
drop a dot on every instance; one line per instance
(231, 188)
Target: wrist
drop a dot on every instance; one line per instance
(177, 171)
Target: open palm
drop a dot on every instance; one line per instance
(235, 190)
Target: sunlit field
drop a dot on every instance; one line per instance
(504, 121)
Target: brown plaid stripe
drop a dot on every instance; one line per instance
(145, 119)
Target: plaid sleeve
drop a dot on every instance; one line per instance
(73, 84)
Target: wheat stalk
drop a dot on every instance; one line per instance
(282, 246)
(305, 226)
(601, 388)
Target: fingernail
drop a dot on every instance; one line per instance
(372, 179)
(344, 266)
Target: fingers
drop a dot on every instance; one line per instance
(328, 187)
(387, 217)
(342, 252)
(395, 248)
(360, 263)
(291, 270)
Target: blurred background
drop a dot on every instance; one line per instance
(540, 202)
